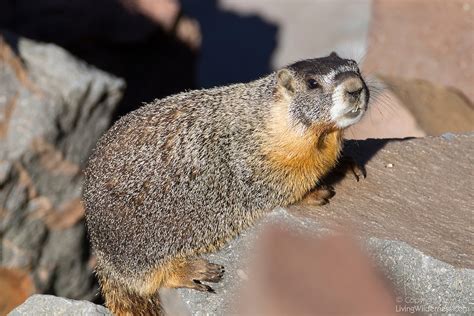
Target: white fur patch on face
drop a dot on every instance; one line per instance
(341, 112)
(329, 77)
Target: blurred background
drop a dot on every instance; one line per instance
(70, 68)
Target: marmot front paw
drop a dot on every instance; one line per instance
(349, 164)
(319, 196)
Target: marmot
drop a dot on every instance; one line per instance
(181, 176)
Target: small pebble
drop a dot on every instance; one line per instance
(389, 165)
(242, 274)
(448, 136)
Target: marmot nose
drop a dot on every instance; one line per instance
(353, 95)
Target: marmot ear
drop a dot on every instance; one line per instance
(286, 81)
(334, 54)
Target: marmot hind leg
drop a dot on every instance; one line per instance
(143, 299)
(122, 301)
(191, 272)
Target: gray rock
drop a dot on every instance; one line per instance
(53, 108)
(424, 284)
(421, 282)
(48, 305)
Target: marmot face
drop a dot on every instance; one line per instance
(328, 90)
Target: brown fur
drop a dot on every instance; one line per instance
(125, 302)
(306, 157)
(174, 274)
(181, 272)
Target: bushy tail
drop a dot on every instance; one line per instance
(124, 302)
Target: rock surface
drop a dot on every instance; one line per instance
(48, 305)
(53, 108)
(423, 39)
(417, 277)
(419, 235)
(418, 191)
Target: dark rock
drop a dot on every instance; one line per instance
(53, 109)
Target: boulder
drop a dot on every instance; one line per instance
(49, 305)
(417, 191)
(53, 108)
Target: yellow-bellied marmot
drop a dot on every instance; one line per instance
(181, 176)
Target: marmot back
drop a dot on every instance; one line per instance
(181, 176)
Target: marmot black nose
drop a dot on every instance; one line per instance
(353, 95)
(352, 87)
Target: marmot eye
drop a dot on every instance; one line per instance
(313, 84)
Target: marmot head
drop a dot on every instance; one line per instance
(328, 90)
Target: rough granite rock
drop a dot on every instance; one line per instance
(48, 305)
(53, 108)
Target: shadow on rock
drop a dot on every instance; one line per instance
(361, 152)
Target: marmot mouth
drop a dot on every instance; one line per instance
(353, 113)
(349, 117)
